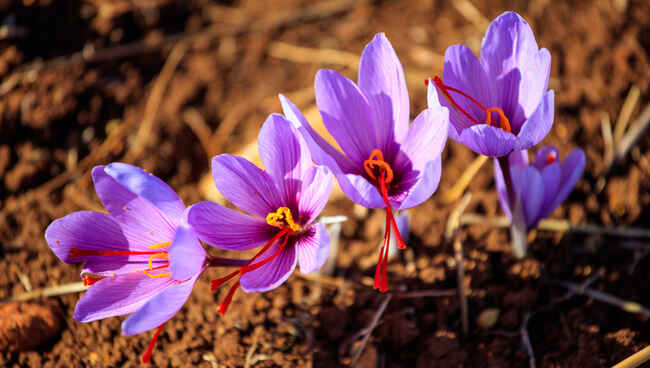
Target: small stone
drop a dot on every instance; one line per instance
(488, 318)
(24, 326)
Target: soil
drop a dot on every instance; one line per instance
(74, 74)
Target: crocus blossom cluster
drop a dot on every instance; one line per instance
(144, 256)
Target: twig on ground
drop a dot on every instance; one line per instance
(427, 294)
(626, 305)
(636, 131)
(525, 340)
(70, 288)
(469, 11)
(455, 217)
(456, 191)
(608, 140)
(370, 328)
(201, 130)
(631, 102)
(299, 54)
(557, 225)
(636, 359)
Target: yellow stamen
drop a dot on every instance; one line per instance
(159, 245)
(159, 276)
(157, 255)
(282, 218)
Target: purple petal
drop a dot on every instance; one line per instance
(245, 185)
(142, 223)
(149, 187)
(488, 140)
(360, 190)
(321, 151)
(425, 139)
(424, 187)
(118, 296)
(316, 189)
(160, 308)
(518, 158)
(502, 191)
(273, 273)
(572, 168)
(518, 69)
(543, 155)
(285, 156)
(538, 124)
(313, 249)
(186, 254)
(381, 79)
(551, 176)
(224, 228)
(530, 188)
(464, 72)
(348, 116)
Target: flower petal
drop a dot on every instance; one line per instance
(273, 273)
(502, 191)
(321, 151)
(518, 69)
(142, 223)
(360, 190)
(285, 156)
(149, 187)
(425, 140)
(551, 176)
(160, 308)
(224, 228)
(381, 79)
(572, 169)
(464, 72)
(488, 140)
(348, 116)
(538, 124)
(316, 189)
(313, 249)
(543, 155)
(245, 185)
(530, 189)
(186, 254)
(118, 296)
(424, 187)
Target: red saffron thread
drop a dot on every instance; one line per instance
(146, 357)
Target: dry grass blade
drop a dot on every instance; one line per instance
(636, 359)
(427, 294)
(608, 140)
(70, 288)
(626, 305)
(298, 54)
(453, 193)
(469, 11)
(631, 101)
(197, 124)
(370, 328)
(636, 131)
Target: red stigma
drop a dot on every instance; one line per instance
(250, 266)
(550, 158)
(503, 123)
(380, 171)
(89, 280)
(146, 357)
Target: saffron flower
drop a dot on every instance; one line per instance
(538, 187)
(384, 163)
(141, 258)
(281, 202)
(499, 103)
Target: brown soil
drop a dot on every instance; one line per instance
(55, 116)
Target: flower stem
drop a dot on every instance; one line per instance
(518, 222)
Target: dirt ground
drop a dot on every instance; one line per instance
(166, 85)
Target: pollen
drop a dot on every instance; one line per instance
(282, 218)
(124, 208)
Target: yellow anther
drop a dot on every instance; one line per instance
(157, 255)
(158, 276)
(282, 218)
(159, 245)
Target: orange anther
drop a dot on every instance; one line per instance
(376, 162)
(504, 123)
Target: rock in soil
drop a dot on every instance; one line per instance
(24, 326)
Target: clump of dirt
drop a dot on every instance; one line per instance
(25, 326)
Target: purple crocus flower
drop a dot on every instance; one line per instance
(281, 202)
(141, 258)
(385, 162)
(538, 187)
(499, 103)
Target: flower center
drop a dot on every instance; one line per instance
(503, 122)
(381, 172)
(550, 158)
(282, 219)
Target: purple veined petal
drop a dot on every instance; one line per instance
(224, 228)
(538, 124)
(117, 296)
(518, 158)
(285, 156)
(312, 249)
(142, 223)
(544, 156)
(551, 176)
(502, 191)
(360, 190)
(160, 308)
(433, 102)
(572, 168)
(322, 152)
(186, 254)
(381, 79)
(316, 189)
(273, 273)
(516, 66)
(425, 140)
(488, 140)
(464, 72)
(149, 187)
(348, 116)
(424, 187)
(245, 185)
(530, 188)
